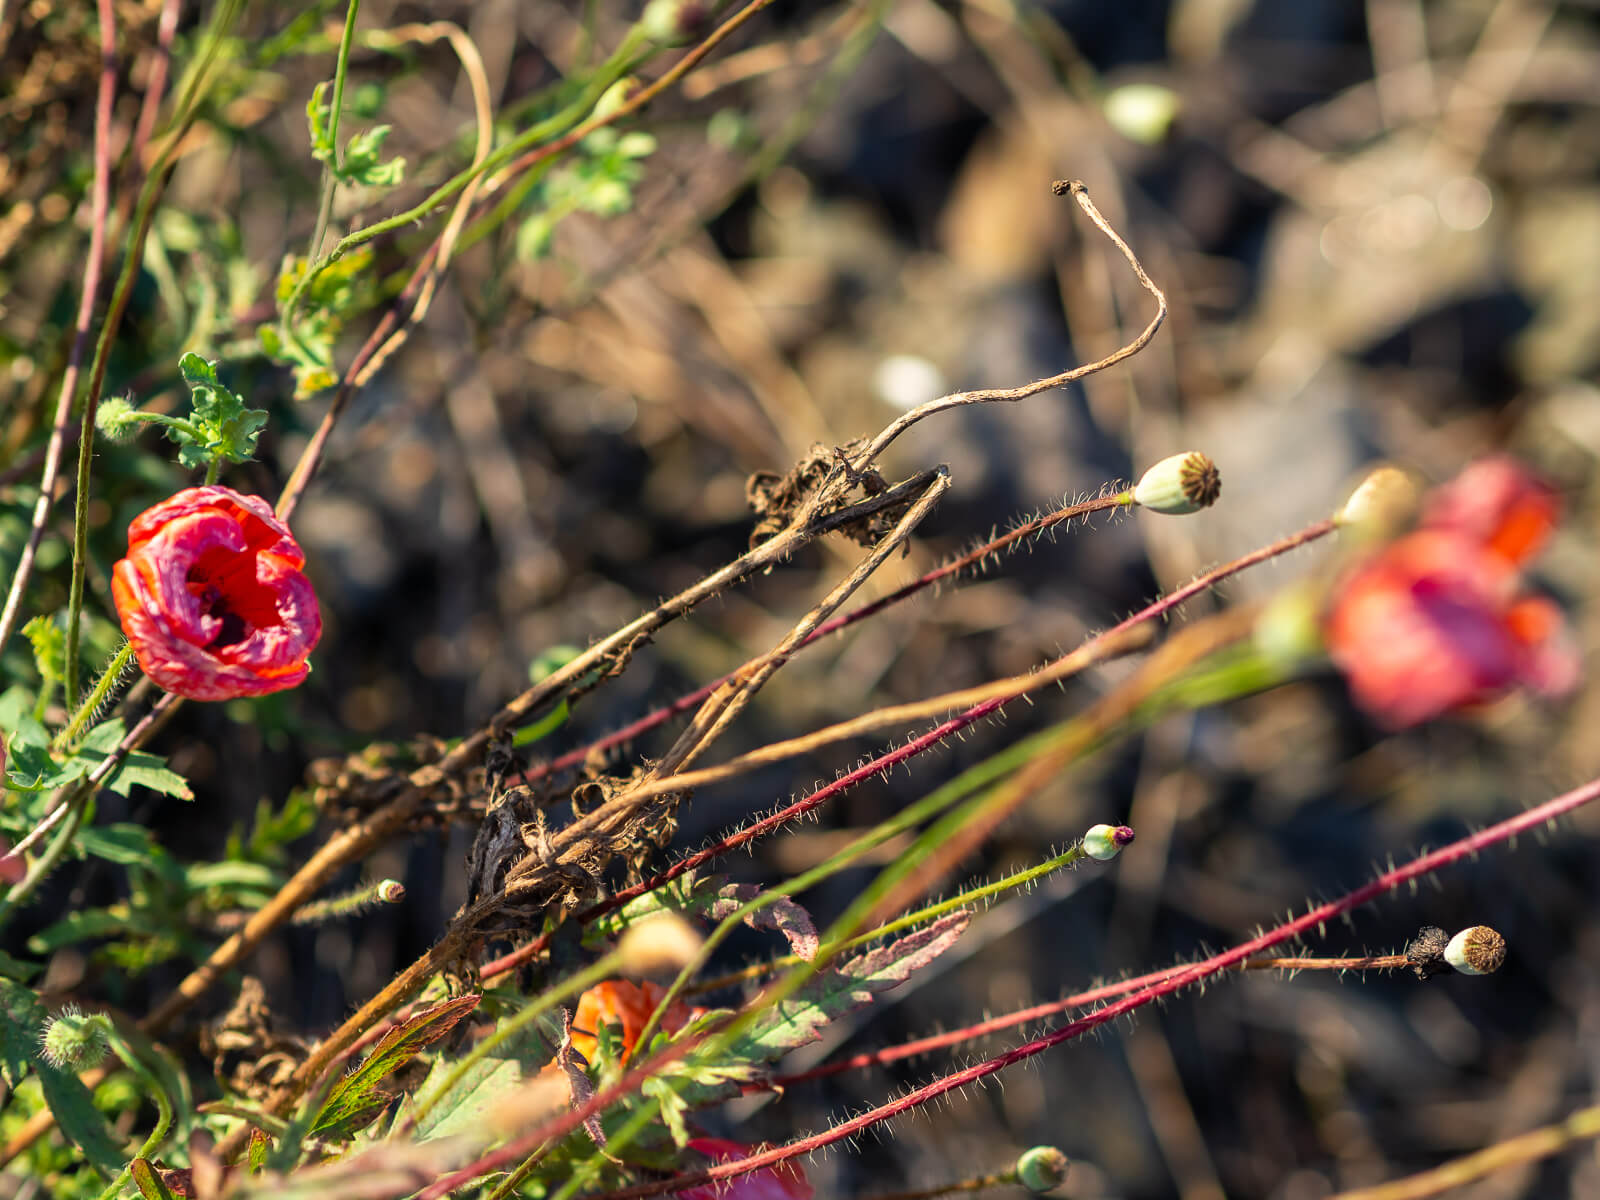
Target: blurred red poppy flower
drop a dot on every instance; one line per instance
(212, 596)
(1435, 620)
(781, 1181)
(619, 1002)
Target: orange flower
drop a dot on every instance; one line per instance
(212, 596)
(1435, 620)
(618, 1002)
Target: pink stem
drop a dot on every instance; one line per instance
(892, 758)
(1417, 868)
(684, 703)
(100, 200)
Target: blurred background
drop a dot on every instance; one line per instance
(1378, 226)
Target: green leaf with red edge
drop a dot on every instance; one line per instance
(357, 1100)
(835, 991)
(489, 1083)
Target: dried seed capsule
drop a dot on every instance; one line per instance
(1184, 483)
(1476, 951)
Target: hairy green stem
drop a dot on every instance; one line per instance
(67, 739)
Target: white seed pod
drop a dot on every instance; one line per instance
(1105, 842)
(1183, 483)
(1478, 950)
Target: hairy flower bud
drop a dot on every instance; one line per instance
(1105, 842)
(1478, 950)
(116, 418)
(1183, 483)
(75, 1041)
(1042, 1169)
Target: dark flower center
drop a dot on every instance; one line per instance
(224, 583)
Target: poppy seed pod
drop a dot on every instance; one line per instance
(1478, 950)
(212, 597)
(1183, 483)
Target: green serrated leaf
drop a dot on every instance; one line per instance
(22, 1018)
(84, 924)
(15, 968)
(362, 155)
(147, 770)
(17, 721)
(49, 641)
(839, 990)
(30, 768)
(356, 1100)
(319, 114)
(221, 428)
(674, 1110)
(147, 1181)
(487, 1083)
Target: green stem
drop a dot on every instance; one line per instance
(613, 69)
(67, 739)
(930, 913)
(163, 1114)
(213, 469)
(330, 178)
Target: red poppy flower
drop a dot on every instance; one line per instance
(619, 1002)
(212, 596)
(1434, 621)
(781, 1181)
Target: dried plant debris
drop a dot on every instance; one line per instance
(245, 1052)
(1426, 952)
(779, 501)
(347, 789)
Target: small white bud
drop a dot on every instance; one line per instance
(1143, 112)
(1105, 842)
(1381, 505)
(661, 943)
(1183, 483)
(1478, 950)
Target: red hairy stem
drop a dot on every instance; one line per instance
(683, 704)
(1418, 867)
(783, 816)
(883, 762)
(1037, 1012)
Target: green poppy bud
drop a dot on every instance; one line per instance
(1042, 1169)
(75, 1041)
